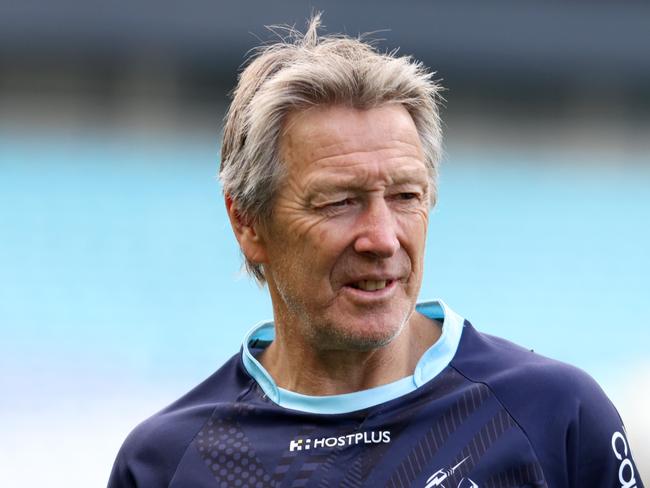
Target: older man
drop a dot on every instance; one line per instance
(329, 167)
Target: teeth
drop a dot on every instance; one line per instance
(371, 285)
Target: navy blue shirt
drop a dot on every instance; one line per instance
(478, 411)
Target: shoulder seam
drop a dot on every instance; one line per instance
(248, 390)
(514, 419)
(180, 459)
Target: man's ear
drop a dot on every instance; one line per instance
(250, 241)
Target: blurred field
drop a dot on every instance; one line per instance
(121, 285)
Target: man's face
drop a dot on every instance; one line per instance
(345, 245)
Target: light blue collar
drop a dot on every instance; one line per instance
(432, 362)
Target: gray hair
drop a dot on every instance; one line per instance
(301, 71)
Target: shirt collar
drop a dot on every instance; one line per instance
(432, 362)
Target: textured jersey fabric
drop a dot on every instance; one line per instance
(478, 412)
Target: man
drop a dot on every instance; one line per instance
(329, 167)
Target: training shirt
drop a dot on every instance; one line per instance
(478, 411)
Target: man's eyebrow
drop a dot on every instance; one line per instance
(327, 187)
(410, 178)
(321, 188)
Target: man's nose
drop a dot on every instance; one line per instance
(377, 232)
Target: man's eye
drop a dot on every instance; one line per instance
(340, 203)
(408, 196)
(335, 205)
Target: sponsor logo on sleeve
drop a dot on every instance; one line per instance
(626, 473)
(368, 437)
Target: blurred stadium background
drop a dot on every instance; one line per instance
(120, 286)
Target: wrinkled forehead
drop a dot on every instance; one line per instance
(326, 131)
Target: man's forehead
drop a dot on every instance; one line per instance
(328, 130)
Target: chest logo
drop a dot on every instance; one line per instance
(437, 478)
(369, 437)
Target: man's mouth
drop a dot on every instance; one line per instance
(371, 285)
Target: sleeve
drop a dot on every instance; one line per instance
(599, 454)
(151, 453)
(141, 466)
(576, 433)
(121, 475)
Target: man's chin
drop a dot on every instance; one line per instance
(356, 339)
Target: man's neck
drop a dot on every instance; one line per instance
(312, 371)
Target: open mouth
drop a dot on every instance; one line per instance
(371, 285)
